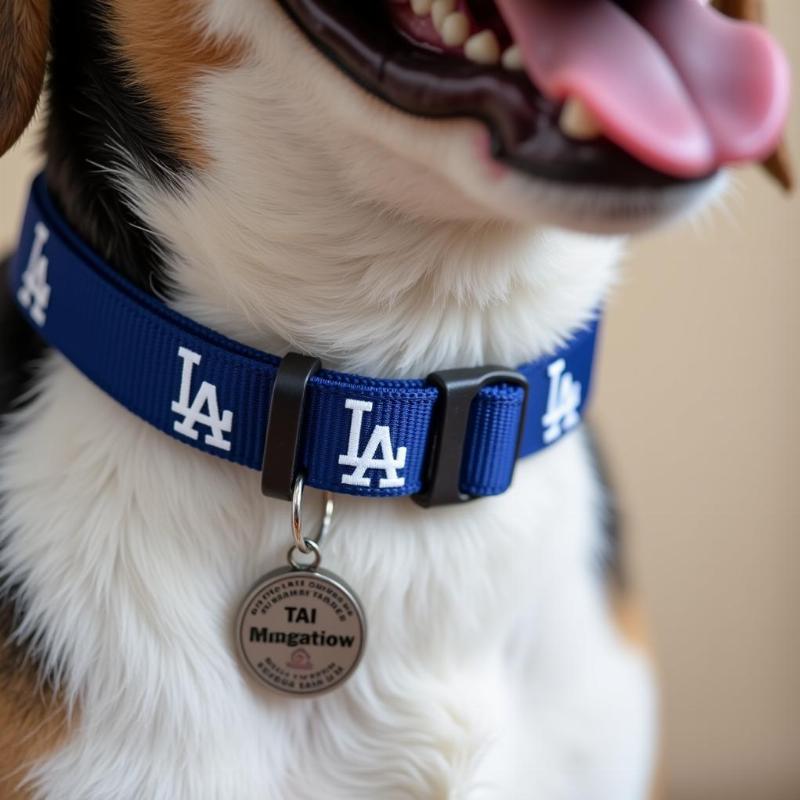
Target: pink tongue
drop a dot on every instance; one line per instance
(680, 87)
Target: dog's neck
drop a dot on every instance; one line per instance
(297, 235)
(364, 289)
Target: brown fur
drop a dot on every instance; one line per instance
(168, 51)
(752, 10)
(32, 718)
(24, 41)
(630, 620)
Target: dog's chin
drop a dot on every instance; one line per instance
(445, 170)
(599, 209)
(439, 169)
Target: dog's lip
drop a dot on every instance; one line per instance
(523, 123)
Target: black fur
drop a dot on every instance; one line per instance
(95, 111)
(613, 563)
(19, 346)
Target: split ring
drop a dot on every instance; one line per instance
(311, 547)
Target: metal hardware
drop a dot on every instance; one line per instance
(458, 388)
(301, 542)
(301, 643)
(311, 547)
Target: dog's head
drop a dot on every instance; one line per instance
(598, 114)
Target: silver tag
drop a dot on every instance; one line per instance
(301, 631)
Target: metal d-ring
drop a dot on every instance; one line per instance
(302, 543)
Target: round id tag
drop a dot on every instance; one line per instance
(301, 629)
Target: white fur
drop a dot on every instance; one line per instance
(493, 669)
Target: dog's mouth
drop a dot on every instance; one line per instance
(631, 93)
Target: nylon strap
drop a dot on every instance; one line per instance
(359, 436)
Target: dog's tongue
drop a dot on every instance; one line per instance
(680, 87)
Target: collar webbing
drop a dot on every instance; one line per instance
(358, 435)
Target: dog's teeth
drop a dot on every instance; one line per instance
(455, 29)
(440, 10)
(421, 7)
(579, 121)
(512, 58)
(483, 48)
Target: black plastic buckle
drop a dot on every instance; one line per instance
(284, 425)
(458, 388)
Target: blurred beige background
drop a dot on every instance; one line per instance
(699, 410)
(698, 406)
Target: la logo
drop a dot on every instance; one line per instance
(203, 410)
(380, 439)
(34, 294)
(563, 402)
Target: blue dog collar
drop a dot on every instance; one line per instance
(452, 437)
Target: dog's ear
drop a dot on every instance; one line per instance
(779, 164)
(24, 42)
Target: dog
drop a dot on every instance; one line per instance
(395, 188)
